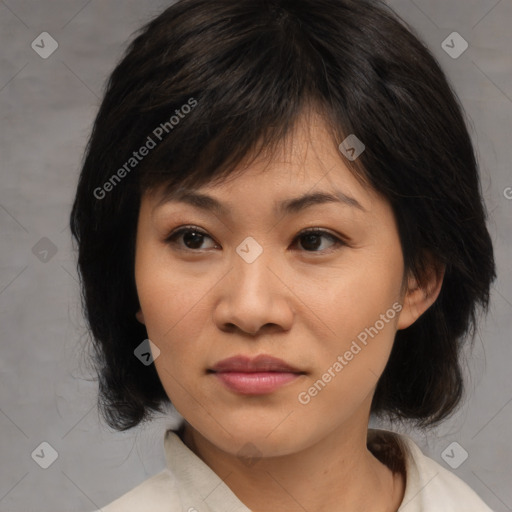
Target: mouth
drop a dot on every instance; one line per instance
(257, 376)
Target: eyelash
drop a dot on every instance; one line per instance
(170, 239)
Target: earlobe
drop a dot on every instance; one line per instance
(419, 298)
(140, 316)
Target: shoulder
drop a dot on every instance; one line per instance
(429, 486)
(158, 494)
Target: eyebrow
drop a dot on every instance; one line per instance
(287, 206)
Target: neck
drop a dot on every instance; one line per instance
(333, 474)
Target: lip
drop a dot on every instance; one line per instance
(254, 376)
(260, 363)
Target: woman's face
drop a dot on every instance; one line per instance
(252, 284)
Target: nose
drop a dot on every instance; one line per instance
(253, 297)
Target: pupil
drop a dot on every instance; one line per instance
(195, 236)
(312, 237)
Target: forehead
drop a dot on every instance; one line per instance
(304, 168)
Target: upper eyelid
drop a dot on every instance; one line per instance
(314, 229)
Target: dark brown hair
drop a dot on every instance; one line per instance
(248, 69)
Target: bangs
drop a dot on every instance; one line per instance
(202, 113)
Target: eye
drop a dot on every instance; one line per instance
(193, 238)
(312, 238)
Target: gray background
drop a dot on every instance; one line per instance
(47, 394)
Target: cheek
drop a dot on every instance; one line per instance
(359, 306)
(353, 295)
(175, 318)
(176, 313)
(170, 298)
(174, 322)
(348, 368)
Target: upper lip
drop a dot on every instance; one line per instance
(261, 363)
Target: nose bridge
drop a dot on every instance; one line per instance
(251, 273)
(252, 295)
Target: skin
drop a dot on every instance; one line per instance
(300, 302)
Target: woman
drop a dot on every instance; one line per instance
(281, 231)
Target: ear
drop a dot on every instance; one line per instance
(419, 297)
(140, 316)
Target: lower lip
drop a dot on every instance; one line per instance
(257, 383)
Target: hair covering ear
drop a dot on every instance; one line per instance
(421, 295)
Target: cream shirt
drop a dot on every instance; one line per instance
(187, 484)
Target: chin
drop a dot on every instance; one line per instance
(271, 437)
